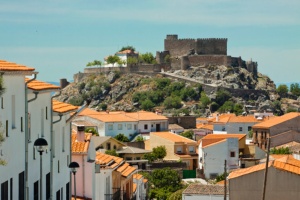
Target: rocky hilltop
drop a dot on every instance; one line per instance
(124, 91)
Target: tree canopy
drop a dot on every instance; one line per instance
(147, 58)
(295, 89)
(127, 48)
(94, 63)
(188, 134)
(282, 90)
(121, 137)
(113, 59)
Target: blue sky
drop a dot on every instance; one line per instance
(59, 37)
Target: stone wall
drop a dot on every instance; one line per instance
(187, 122)
(215, 46)
(196, 60)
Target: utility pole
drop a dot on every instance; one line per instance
(225, 184)
(266, 170)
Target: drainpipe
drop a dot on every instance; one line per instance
(35, 96)
(51, 144)
(26, 188)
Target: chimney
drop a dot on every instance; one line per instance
(80, 133)
(217, 118)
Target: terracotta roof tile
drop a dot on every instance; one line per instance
(62, 107)
(40, 85)
(10, 66)
(145, 180)
(78, 146)
(285, 163)
(123, 167)
(214, 138)
(276, 120)
(173, 137)
(146, 116)
(137, 176)
(105, 159)
(128, 171)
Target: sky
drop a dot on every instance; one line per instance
(59, 37)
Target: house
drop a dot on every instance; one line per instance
(283, 174)
(235, 124)
(178, 148)
(123, 55)
(175, 128)
(28, 112)
(116, 179)
(281, 130)
(198, 191)
(104, 143)
(83, 152)
(129, 124)
(214, 149)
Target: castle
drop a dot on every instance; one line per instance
(183, 53)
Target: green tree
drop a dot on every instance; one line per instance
(111, 152)
(222, 96)
(150, 157)
(167, 59)
(289, 109)
(281, 150)
(188, 93)
(127, 48)
(91, 130)
(238, 109)
(221, 177)
(164, 181)
(103, 106)
(162, 82)
(282, 90)
(121, 137)
(139, 138)
(295, 89)
(159, 152)
(147, 58)
(172, 102)
(204, 99)
(276, 105)
(94, 63)
(226, 107)
(147, 105)
(132, 60)
(176, 195)
(188, 134)
(113, 59)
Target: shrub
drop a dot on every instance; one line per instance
(172, 102)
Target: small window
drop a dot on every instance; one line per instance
(138, 158)
(240, 129)
(110, 127)
(115, 147)
(232, 154)
(146, 126)
(46, 113)
(22, 124)
(249, 128)
(179, 149)
(223, 128)
(191, 149)
(108, 146)
(129, 126)
(2, 103)
(128, 158)
(120, 126)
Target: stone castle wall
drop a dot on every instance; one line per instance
(209, 46)
(197, 60)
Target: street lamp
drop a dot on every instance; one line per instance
(73, 167)
(41, 145)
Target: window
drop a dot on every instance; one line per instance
(120, 126)
(48, 186)
(46, 112)
(108, 146)
(240, 129)
(129, 126)
(110, 127)
(179, 149)
(249, 128)
(135, 127)
(191, 149)
(58, 195)
(13, 112)
(4, 191)
(232, 154)
(128, 158)
(34, 157)
(6, 128)
(21, 186)
(146, 126)
(138, 158)
(223, 128)
(22, 124)
(36, 190)
(2, 103)
(68, 191)
(42, 123)
(115, 147)
(11, 189)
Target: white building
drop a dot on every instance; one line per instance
(129, 124)
(214, 149)
(27, 114)
(123, 55)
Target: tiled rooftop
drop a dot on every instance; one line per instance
(10, 66)
(62, 107)
(173, 137)
(105, 159)
(40, 85)
(285, 163)
(137, 176)
(78, 146)
(276, 120)
(204, 189)
(214, 138)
